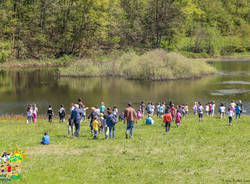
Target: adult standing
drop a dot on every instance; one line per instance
(130, 116)
(200, 111)
(238, 111)
(142, 107)
(82, 106)
(76, 118)
(111, 121)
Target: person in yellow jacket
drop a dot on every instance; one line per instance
(95, 125)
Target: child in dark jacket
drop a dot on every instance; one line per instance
(50, 114)
(62, 114)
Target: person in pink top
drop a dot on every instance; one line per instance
(34, 113)
(178, 118)
(139, 114)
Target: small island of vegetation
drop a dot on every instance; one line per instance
(152, 65)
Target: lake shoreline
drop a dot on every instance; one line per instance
(224, 58)
(37, 64)
(121, 77)
(62, 63)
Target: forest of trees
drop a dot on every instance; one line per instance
(54, 28)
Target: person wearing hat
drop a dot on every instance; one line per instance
(76, 118)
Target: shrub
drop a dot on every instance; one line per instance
(5, 51)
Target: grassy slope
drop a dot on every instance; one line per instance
(205, 152)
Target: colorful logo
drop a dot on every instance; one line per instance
(10, 165)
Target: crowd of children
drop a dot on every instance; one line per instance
(103, 120)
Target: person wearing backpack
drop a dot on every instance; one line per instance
(111, 122)
(200, 112)
(167, 120)
(238, 111)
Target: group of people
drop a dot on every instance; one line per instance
(233, 109)
(104, 120)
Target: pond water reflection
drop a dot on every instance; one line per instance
(44, 86)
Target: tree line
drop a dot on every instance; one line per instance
(54, 28)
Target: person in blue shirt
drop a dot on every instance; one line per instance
(121, 117)
(102, 108)
(111, 121)
(76, 118)
(238, 111)
(150, 108)
(45, 140)
(149, 120)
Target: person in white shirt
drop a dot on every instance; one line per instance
(34, 113)
(230, 114)
(213, 107)
(115, 110)
(200, 112)
(222, 110)
(195, 108)
(207, 109)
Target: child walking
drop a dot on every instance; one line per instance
(92, 116)
(222, 110)
(139, 114)
(178, 118)
(70, 127)
(102, 108)
(62, 114)
(230, 114)
(50, 114)
(115, 110)
(167, 120)
(95, 125)
(105, 125)
(200, 112)
(34, 113)
(29, 114)
(172, 112)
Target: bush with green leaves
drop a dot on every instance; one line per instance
(5, 51)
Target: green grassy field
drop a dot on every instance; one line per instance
(197, 152)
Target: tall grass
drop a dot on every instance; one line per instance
(152, 65)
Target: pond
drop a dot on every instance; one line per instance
(44, 86)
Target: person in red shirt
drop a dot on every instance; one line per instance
(172, 112)
(167, 118)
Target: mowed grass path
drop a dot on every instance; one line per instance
(197, 152)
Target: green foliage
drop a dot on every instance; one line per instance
(152, 65)
(52, 29)
(5, 51)
(194, 153)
